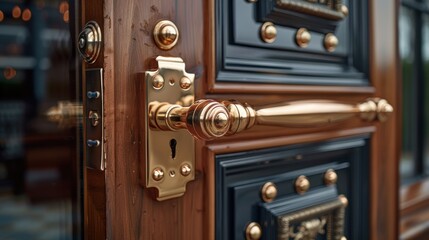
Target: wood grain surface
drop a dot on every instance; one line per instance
(132, 212)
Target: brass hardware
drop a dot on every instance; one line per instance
(94, 117)
(330, 177)
(302, 184)
(330, 214)
(157, 174)
(158, 82)
(345, 10)
(302, 37)
(185, 170)
(308, 230)
(343, 238)
(268, 32)
(92, 143)
(330, 42)
(176, 160)
(165, 34)
(185, 83)
(208, 119)
(269, 192)
(89, 43)
(65, 114)
(343, 200)
(94, 126)
(253, 231)
(331, 10)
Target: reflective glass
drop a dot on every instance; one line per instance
(406, 47)
(39, 146)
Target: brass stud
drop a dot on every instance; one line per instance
(165, 34)
(343, 200)
(330, 42)
(302, 37)
(158, 82)
(302, 184)
(157, 174)
(269, 192)
(345, 10)
(185, 169)
(253, 231)
(268, 32)
(343, 238)
(185, 83)
(330, 177)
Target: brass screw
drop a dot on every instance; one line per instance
(330, 177)
(302, 37)
(269, 192)
(157, 174)
(95, 119)
(330, 42)
(345, 10)
(185, 83)
(185, 169)
(165, 34)
(253, 231)
(268, 32)
(158, 82)
(302, 184)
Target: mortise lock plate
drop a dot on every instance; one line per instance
(170, 155)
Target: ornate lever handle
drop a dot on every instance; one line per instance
(209, 119)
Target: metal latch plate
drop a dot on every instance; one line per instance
(170, 155)
(93, 114)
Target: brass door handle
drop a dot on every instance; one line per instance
(209, 119)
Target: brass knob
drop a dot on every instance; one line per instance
(269, 192)
(268, 32)
(89, 43)
(302, 37)
(330, 42)
(302, 184)
(344, 200)
(253, 231)
(330, 177)
(165, 34)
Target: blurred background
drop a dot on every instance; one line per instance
(40, 121)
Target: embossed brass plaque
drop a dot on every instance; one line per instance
(327, 9)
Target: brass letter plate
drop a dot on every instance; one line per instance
(170, 155)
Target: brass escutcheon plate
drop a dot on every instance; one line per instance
(167, 173)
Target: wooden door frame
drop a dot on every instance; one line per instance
(104, 215)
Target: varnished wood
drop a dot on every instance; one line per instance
(132, 212)
(94, 180)
(385, 143)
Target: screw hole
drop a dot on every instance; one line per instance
(172, 173)
(171, 81)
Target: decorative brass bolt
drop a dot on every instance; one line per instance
(330, 42)
(253, 231)
(268, 32)
(302, 37)
(330, 177)
(302, 184)
(269, 192)
(165, 34)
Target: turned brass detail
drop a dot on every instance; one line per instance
(253, 231)
(330, 177)
(302, 184)
(165, 34)
(209, 119)
(268, 32)
(269, 192)
(309, 230)
(302, 37)
(330, 42)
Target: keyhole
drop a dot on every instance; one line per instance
(173, 144)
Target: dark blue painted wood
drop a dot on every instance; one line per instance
(240, 177)
(241, 56)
